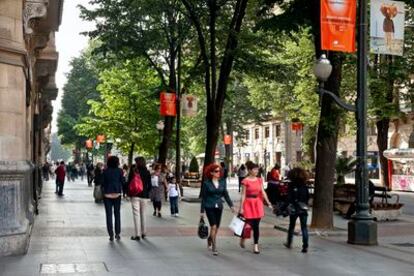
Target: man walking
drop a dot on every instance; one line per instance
(60, 177)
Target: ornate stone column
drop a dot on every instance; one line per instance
(16, 210)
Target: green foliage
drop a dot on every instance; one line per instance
(79, 88)
(344, 165)
(57, 151)
(194, 168)
(127, 110)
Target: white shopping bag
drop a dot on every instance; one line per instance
(237, 225)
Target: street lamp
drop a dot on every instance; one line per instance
(160, 127)
(362, 229)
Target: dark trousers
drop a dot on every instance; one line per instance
(60, 185)
(305, 237)
(115, 204)
(174, 205)
(254, 223)
(157, 205)
(57, 186)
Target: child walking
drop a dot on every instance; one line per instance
(174, 195)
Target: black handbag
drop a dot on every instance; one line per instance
(202, 229)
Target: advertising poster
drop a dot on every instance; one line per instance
(189, 105)
(168, 104)
(387, 27)
(338, 25)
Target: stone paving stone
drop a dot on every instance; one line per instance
(71, 230)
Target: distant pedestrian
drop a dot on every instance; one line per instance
(158, 190)
(241, 173)
(298, 197)
(98, 181)
(138, 201)
(174, 195)
(251, 206)
(60, 178)
(225, 170)
(213, 190)
(46, 171)
(112, 189)
(89, 173)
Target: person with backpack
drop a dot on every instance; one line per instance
(297, 205)
(139, 187)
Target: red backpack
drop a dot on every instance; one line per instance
(136, 186)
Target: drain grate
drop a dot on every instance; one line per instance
(406, 244)
(46, 269)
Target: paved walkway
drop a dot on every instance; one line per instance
(69, 237)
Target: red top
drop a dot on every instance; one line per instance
(253, 203)
(60, 173)
(275, 175)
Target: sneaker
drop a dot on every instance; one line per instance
(159, 215)
(176, 215)
(137, 238)
(304, 250)
(111, 238)
(154, 214)
(143, 236)
(288, 246)
(118, 237)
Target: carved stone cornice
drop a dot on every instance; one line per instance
(33, 9)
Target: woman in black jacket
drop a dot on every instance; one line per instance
(138, 201)
(98, 180)
(213, 190)
(112, 189)
(298, 197)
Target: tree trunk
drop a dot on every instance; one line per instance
(131, 154)
(382, 142)
(213, 125)
(169, 121)
(326, 150)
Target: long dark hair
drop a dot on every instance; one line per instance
(298, 176)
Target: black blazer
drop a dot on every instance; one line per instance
(211, 197)
(113, 181)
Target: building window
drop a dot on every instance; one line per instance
(248, 135)
(256, 134)
(278, 131)
(267, 132)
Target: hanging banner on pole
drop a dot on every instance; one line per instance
(168, 104)
(338, 25)
(387, 27)
(189, 105)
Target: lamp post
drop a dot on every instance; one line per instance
(362, 230)
(160, 127)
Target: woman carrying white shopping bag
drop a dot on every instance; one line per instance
(251, 206)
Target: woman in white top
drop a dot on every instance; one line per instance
(174, 195)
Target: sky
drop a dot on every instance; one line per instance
(69, 44)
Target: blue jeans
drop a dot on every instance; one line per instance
(174, 205)
(305, 236)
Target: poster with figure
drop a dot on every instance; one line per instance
(338, 25)
(168, 105)
(189, 105)
(387, 27)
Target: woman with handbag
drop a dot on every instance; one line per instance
(251, 206)
(138, 200)
(98, 181)
(298, 197)
(213, 190)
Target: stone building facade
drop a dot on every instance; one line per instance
(273, 140)
(28, 62)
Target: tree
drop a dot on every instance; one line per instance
(154, 29)
(127, 108)
(79, 88)
(291, 16)
(217, 55)
(58, 152)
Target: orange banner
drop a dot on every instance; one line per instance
(168, 105)
(338, 25)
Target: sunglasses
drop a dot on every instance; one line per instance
(216, 171)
